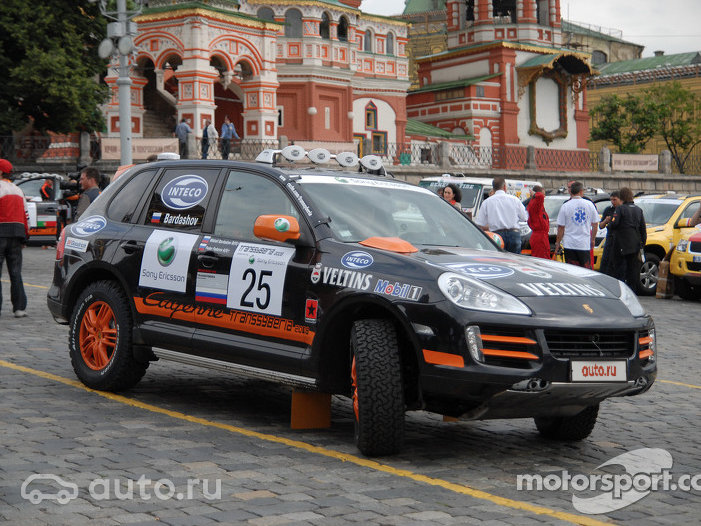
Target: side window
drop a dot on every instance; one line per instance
(180, 199)
(123, 206)
(689, 211)
(245, 197)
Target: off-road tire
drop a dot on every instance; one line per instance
(377, 389)
(649, 274)
(686, 290)
(570, 428)
(100, 339)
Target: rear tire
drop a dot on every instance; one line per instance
(100, 339)
(649, 273)
(377, 389)
(570, 428)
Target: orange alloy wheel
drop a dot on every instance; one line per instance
(98, 335)
(354, 378)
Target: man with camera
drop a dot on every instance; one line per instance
(89, 183)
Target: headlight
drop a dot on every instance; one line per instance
(630, 300)
(472, 294)
(682, 245)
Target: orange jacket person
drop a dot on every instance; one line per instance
(539, 223)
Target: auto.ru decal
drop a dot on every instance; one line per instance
(562, 289)
(155, 304)
(184, 192)
(357, 259)
(88, 226)
(165, 261)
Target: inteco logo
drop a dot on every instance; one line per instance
(184, 192)
(481, 270)
(357, 259)
(166, 252)
(88, 226)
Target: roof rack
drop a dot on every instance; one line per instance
(292, 153)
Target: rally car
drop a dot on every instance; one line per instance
(685, 265)
(341, 282)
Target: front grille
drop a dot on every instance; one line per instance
(591, 344)
(695, 246)
(521, 343)
(694, 267)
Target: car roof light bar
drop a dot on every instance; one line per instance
(294, 153)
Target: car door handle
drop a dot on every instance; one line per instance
(207, 261)
(130, 246)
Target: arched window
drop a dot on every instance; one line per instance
(598, 57)
(343, 29)
(370, 116)
(293, 23)
(266, 13)
(390, 43)
(367, 41)
(324, 26)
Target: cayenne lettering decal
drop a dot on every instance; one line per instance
(398, 290)
(357, 259)
(165, 261)
(155, 304)
(184, 192)
(88, 226)
(481, 270)
(257, 277)
(562, 289)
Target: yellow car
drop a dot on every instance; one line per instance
(686, 265)
(666, 216)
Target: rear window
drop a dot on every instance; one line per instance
(124, 205)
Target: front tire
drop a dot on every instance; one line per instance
(100, 339)
(649, 273)
(686, 290)
(377, 389)
(569, 428)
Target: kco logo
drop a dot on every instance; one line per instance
(88, 226)
(184, 192)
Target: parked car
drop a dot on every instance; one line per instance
(45, 209)
(341, 282)
(666, 218)
(685, 265)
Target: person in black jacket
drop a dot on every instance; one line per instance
(607, 258)
(628, 225)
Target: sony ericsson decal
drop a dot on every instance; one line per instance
(257, 277)
(88, 226)
(357, 259)
(165, 261)
(184, 192)
(156, 304)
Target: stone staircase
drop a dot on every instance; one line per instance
(156, 125)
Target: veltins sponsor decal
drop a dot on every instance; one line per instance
(184, 192)
(481, 270)
(357, 259)
(79, 245)
(165, 261)
(562, 289)
(88, 226)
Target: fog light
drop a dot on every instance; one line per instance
(474, 342)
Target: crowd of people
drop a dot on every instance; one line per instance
(210, 137)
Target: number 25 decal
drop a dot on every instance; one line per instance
(250, 274)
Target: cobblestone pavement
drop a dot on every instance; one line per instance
(183, 424)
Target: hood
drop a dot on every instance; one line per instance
(522, 276)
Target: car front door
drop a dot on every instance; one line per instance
(251, 293)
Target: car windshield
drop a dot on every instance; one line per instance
(553, 204)
(31, 187)
(469, 191)
(363, 208)
(657, 211)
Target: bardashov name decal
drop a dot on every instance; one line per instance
(165, 261)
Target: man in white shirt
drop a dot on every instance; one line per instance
(501, 213)
(577, 224)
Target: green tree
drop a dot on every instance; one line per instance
(48, 56)
(678, 123)
(629, 123)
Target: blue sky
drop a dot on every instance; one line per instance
(673, 26)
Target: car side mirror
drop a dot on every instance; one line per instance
(682, 223)
(276, 228)
(497, 239)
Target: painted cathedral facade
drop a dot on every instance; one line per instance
(309, 70)
(506, 80)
